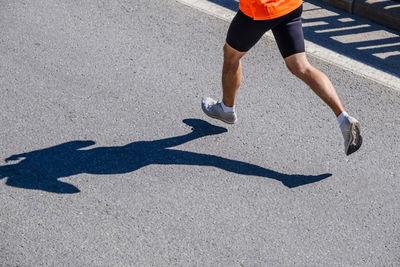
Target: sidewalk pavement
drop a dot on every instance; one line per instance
(385, 12)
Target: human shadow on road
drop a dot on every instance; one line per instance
(41, 169)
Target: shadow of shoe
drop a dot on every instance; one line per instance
(201, 127)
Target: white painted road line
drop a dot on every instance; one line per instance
(313, 49)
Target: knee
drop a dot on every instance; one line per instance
(300, 69)
(230, 57)
(299, 65)
(227, 50)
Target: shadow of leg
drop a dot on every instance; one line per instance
(170, 156)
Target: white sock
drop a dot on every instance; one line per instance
(341, 117)
(227, 109)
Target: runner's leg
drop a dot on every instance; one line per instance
(290, 40)
(231, 74)
(242, 35)
(317, 80)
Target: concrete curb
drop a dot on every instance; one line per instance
(384, 12)
(346, 5)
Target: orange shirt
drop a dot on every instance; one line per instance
(268, 9)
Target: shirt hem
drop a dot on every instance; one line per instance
(274, 16)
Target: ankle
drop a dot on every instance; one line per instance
(342, 116)
(226, 108)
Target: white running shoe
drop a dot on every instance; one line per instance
(214, 110)
(351, 132)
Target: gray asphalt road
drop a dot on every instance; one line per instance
(107, 158)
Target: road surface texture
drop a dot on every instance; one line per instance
(107, 158)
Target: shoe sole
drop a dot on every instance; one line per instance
(356, 138)
(216, 117)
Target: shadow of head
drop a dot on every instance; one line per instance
(204, 128)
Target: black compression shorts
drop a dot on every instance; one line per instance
(244, 32)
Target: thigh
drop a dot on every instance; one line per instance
(289, 34)
(244, 32)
